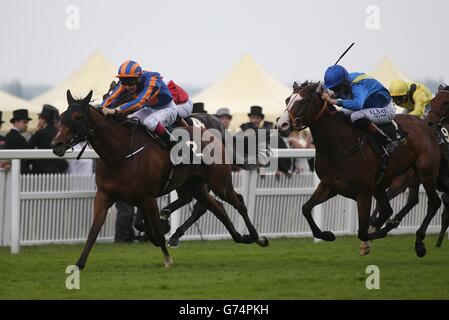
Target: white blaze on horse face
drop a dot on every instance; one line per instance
(284, 121)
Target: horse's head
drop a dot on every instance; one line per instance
(304, 106)
(439, 105)
(73, 128)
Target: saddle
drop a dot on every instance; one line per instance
(392, 130)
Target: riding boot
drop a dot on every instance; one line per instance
(388, 144)
(367, 126)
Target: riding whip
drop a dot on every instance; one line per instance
(344, 53)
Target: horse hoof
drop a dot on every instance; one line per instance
(365, 248)
(168, 262)
(327, 236)
(263, 242)
(173, 242)
(420, 250)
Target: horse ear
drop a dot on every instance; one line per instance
(440, 87)
(70, 99)
(86, 100)
(295, 85)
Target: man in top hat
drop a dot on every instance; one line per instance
(42, 140)
(224, 116)
(2, 138)
(256, 117)
(14, 138)
(198, 107)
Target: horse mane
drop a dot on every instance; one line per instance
(128, 123)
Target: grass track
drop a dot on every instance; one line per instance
(287, 269)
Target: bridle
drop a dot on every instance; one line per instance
(86, 133)
(296, 121)
(83, 133)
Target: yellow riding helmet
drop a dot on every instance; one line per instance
(398, 88)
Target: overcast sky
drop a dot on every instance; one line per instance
(196, 41)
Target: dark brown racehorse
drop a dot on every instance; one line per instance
(134, 168)
(437, 119)
(348, 166)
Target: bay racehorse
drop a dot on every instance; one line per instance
(134, 168)
(348, 166)
(437, 119)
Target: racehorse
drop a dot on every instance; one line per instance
(135, 168)
(209, 122)
(348, 166)
(437, 119)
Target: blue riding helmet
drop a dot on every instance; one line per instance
(334, 76)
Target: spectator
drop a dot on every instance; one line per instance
(14, 138)
(42, 140)
(2, 138)
(3, 163)
(198, 107)
(297, 141)
(256, 117)
(224, 116)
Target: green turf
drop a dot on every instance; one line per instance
(287, 269)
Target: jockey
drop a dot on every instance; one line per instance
(365, 100)
(184, 105)
(414, 97)
(153, 103)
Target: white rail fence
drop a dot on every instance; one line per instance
(37, 209)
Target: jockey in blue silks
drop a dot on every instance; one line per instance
(153, 103)
(364, 99)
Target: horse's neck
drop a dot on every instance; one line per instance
(108, 140)
(333, 135)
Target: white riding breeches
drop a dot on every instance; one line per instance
(150, 117)
(185, 109)
(375, 115)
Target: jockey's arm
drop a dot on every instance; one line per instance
(420, 103)
(149, 92)
(360, 93)
(113, 97)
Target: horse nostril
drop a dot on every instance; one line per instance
(285, 126)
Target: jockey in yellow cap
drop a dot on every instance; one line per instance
(414, 97)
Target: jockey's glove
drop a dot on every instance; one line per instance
(107, 111)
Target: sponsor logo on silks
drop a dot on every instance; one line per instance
(377, 111)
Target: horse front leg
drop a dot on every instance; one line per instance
(321, 194)
(102, 203)
(363, 212)
(153, 225)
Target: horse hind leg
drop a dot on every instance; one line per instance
(444, 220)
(197, 213)
(433, 204)
(201, 193)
